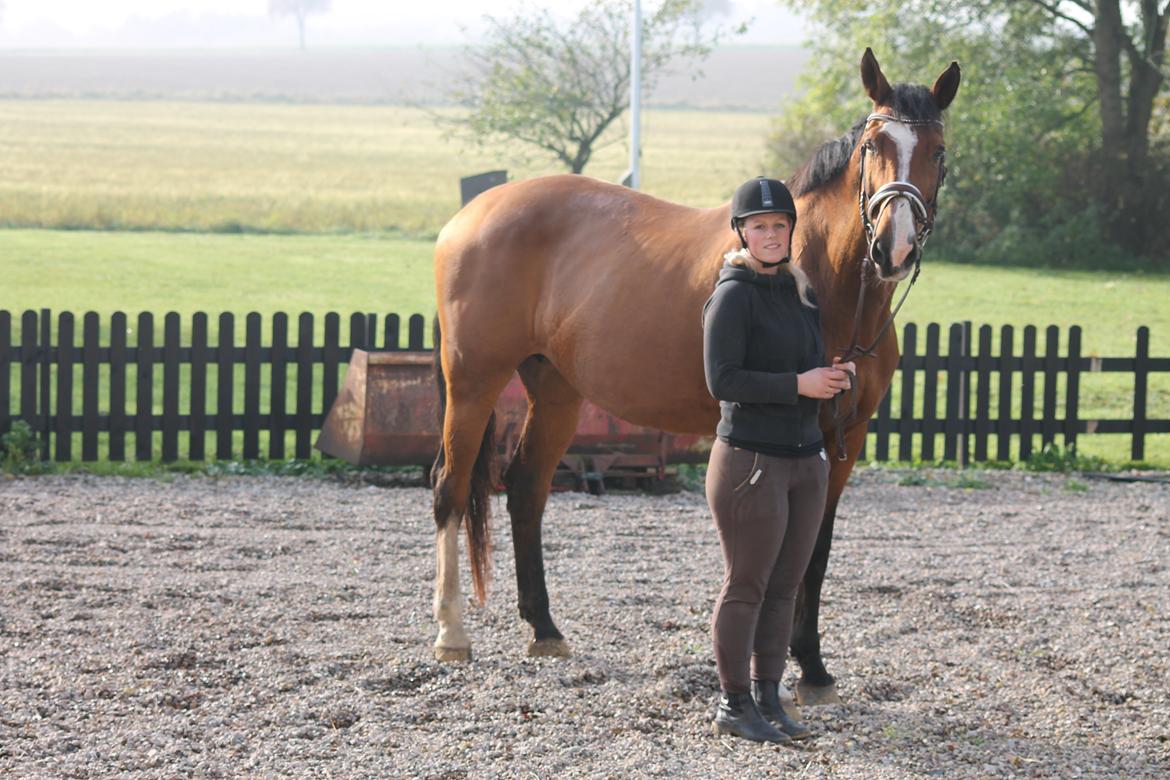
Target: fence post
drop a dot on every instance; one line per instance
(46, 374)
(906, 419)
(983, 395)
(1051, 365)
(5, 363)
(1027, 391)
(964, 394)
(1003, 437)
(63, 451)
(933, 363)
(1141, 370)
(144, 393)
(118, 421)
(1072, 388)
(91, 328)
(225, 371)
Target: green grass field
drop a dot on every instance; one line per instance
(333, 209)
(229, 167)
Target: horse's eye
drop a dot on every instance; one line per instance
(868, 146)
(940, 153)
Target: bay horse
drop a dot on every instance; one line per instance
(592, 290)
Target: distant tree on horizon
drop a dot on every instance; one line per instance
(558, 86)
(300, 9)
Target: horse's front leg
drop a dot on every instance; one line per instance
(816, 685)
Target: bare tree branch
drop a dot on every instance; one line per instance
(1054, 9)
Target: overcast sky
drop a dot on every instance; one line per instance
(119, 23)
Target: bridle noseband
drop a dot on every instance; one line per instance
(872, 207)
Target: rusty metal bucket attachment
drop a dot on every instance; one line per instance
(386, 412)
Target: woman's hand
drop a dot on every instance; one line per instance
(823, 382)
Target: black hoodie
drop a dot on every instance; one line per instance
(757, 336)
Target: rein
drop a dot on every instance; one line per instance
(871, 208)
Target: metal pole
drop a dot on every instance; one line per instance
(636, 96)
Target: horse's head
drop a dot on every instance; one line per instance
(901, 163)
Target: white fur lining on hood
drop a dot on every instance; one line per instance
(802, 283)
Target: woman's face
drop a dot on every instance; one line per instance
(768, 236)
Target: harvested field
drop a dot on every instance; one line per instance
(987, 624)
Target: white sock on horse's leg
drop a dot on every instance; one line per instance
(452, 644)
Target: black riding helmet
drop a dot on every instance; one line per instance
(760, 196)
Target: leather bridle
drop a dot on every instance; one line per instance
(871, 208)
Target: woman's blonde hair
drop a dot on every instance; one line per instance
(740, 257)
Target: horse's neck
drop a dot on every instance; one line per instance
(834, 245)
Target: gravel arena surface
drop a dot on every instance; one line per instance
(980, 624)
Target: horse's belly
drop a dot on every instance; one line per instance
(654, 393)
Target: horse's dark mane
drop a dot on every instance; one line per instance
(911, 101)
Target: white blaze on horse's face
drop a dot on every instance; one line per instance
(900, 213)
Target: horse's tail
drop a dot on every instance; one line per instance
(479, 542)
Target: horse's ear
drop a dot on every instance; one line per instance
(947, 85)
(874, 80)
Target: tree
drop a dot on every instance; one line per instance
(559, 87)
(299, 9)
(1055, 139)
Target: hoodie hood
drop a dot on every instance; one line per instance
(743, 273)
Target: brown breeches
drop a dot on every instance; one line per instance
(767, 510)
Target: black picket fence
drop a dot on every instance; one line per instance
(268, 396)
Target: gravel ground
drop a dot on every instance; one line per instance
(989, 624)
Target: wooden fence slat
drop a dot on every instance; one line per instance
(170, 415)
(953, 422)
(144, 393)
(225, 370)
(5, 372)
(29, 363)
(932, 365)
(1072, 387)
(906, 418)
(91, 333)
(371, 330)
(119, 424)
(416, 326)
(1051, 369)
(1003, 437)
(1141, 372)
(197, 442)
(390, 328)
(1028, 366)
(983, 396)
(357, 332)
(64, 418)
(252, 337)
(331, 360)
(46, 379)
(279, 386)
(304, 414)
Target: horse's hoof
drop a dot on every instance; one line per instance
(452, 654)
(808, 695)
(549, 648)
(788, 703)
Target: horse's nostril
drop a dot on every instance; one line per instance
(879, 254)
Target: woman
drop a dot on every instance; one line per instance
(768, 474)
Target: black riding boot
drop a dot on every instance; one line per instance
(737, 715)
(767, 696)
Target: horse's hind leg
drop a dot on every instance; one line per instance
(467, 438)
(553, 407)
